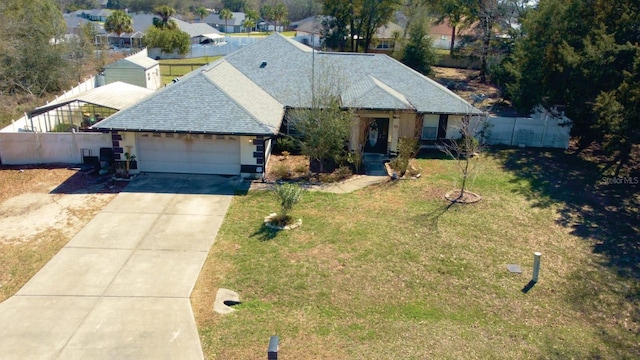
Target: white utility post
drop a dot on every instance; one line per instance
(536, 266)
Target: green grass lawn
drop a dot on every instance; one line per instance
(173, 68)
(393, 272)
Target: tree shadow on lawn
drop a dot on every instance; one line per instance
(265, 233)
(595, 207)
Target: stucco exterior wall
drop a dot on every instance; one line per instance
(42, 148)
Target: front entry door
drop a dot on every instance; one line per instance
(377, 136)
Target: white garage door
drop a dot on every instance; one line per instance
(189, 153)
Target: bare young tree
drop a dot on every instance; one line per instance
(464, 150)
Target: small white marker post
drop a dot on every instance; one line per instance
(536, 266)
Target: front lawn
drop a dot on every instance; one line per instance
(393, 272)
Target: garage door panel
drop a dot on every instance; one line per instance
(183, 154)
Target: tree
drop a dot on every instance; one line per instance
(202, 12)
(167, 40)
(74, 5)
(584, 57)
(234, 5)
(325, 128)
(117, 4)
(119, 22)
(164, 21)
(32, 60)
(452, 11)
(81, 49)
(418, 54)
(280, 13)
(248, 24)
(335, 26)
(373, 14)
(266, 11)
(465, 150)
(226, 15)
(363, 17)
(252, 15)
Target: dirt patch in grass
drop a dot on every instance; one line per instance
(466, 83)
(41, 209)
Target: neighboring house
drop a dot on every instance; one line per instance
(223, 118)
(233, 25)
(385, 38)
(137, 69)
(309, 31)
(200, 33)
(264, 25)
(442, 33)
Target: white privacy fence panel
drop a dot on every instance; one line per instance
(42, 148)
(542, 129)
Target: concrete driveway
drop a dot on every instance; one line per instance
(120, 288)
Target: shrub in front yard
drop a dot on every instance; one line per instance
(288, 195)
(281, 171)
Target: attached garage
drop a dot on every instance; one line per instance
(188, 153)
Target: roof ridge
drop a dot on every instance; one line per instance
(427, 79)
(248, 111)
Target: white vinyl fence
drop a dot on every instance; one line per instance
(542, 129)
(43, 148)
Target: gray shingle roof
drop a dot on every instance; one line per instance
(236, 20)
(140, 59)
(288, 73)
(371, 93)
(195, 29)
(216, 98)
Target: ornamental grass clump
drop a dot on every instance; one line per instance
(288, 195)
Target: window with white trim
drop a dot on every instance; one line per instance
(430, 127)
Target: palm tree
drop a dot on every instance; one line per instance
(251, 14)
(226, 15)
(248, 24)
(267, 14)
(164, 22)
(280, 14)
(202, 12)
(119, 22)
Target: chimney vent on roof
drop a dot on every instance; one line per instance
(263, 65)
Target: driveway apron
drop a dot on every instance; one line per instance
(120, 288)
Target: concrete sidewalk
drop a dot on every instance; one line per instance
(355, 183)
(120, 288)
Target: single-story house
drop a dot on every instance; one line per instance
(442, 34)
(223, 117)
(309, 31)
(385, 38)
(233, 25)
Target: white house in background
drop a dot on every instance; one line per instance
(137, 69)
(309, 30)
(233, 25)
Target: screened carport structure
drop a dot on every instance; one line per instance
(79, 112)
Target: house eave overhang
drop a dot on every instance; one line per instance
(184, 132)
